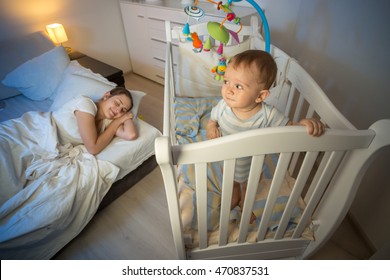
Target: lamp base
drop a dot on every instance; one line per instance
(68, 50)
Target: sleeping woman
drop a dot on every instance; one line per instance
(96, 124)
(51, 180)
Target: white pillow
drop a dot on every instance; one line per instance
(137, 97)
(38, 78)
(79, 80)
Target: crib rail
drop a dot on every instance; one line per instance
(169, 95)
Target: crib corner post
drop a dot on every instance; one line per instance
(163, 152)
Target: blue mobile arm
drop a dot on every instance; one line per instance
(265, 23)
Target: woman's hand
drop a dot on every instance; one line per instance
(124, 117)
(127, 130)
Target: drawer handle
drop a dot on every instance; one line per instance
(157, 19)
(158, 40)
(159, 76)
(141, 16)
(159, 59)
(163, 20)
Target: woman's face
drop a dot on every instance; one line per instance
(115, 106)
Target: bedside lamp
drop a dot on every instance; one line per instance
(57, 34)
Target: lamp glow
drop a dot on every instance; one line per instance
(57, 33)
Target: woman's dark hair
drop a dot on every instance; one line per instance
(122, 90)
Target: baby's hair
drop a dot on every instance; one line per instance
(122, 90)
(262, 60)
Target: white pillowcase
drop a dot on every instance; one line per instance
(38, 78)
(79, 80)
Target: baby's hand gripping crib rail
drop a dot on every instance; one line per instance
(323, 174)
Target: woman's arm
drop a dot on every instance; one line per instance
(127, 130)
(93, 141)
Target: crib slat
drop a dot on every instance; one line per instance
(317, 176)
(303, 174)
(290, 100)
(279, 176)
(298, 109)
(293, 162)
(227, 187)
(253, 182)
(201, 202)
(310, 112)
(323, 182)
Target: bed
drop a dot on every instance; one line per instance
(49, 192)
(299, 187)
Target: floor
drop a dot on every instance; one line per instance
(135, 226)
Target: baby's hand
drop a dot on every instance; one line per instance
(314, 127)
(212, 133)
(212, 130)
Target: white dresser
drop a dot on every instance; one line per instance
(144, 24)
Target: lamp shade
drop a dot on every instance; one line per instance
(57, 33)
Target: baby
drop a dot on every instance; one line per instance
(248, 78)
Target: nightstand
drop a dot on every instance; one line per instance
(111, 73)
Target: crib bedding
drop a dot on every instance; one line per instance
(187, 198)
(191, 117)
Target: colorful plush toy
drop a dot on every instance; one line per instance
(220, 69)
(196, 42)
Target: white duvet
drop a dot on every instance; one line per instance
(48, 192)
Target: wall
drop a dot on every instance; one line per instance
(94, 27)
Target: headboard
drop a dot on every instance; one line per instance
(17, 51)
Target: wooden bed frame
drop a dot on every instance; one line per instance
(124, 184)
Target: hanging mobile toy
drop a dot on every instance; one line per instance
(222, 34)
(219, 32)
(220, 69)
(230, 16)
(196, 13)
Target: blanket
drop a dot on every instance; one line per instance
(48, 192)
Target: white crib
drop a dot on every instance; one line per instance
(323, 172)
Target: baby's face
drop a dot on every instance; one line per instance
(240, 88)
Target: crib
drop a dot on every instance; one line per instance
(311, 181)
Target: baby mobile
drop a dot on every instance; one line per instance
(218, 31)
